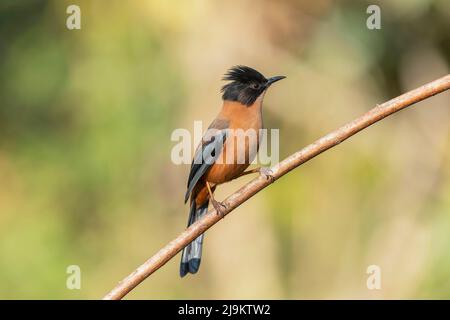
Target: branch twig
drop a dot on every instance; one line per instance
(250, 189)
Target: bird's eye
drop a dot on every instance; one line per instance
(255, 86)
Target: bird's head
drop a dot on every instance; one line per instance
(246, 85)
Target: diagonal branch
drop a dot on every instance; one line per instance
(250, 189)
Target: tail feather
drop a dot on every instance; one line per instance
(192, 253)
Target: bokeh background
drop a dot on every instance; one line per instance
(86, 118)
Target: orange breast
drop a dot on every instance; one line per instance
(242, 143)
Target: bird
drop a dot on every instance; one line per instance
(221, 155)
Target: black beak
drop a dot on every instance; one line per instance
(274, 79)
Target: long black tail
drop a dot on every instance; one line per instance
(192, 254)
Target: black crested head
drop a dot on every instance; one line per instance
(246, 85)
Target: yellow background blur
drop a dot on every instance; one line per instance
(85, 170)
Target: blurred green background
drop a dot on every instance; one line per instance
(85, 171)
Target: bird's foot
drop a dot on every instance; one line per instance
(267, 173)
(220, 208)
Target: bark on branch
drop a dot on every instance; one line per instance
(250, 189)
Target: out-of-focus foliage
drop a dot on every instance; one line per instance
(85, 170)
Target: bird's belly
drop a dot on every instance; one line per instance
(235, 157)
(223, 172)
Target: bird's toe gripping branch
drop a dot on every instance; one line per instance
(220, 208)
(267, 173)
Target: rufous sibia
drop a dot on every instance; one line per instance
(222, 155)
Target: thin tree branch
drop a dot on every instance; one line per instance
(250, 189)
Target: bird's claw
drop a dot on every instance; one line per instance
(220, 208)
(267, 173)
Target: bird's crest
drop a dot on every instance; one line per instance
(243, 74)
